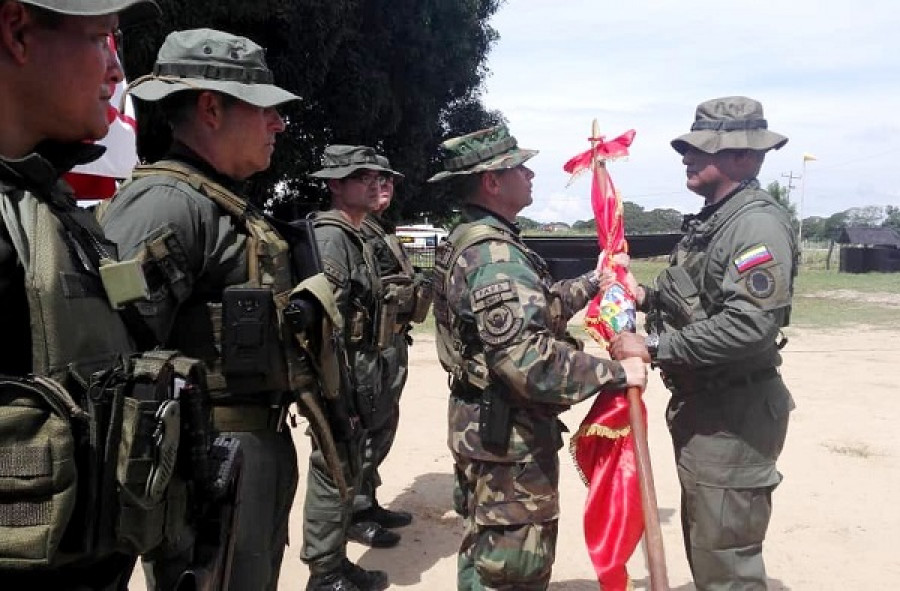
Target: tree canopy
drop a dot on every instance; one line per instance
(397, 75)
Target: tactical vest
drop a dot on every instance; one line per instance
(268, 268)
(458, 352)
(406, 297)
(80, 472)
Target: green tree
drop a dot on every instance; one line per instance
(892, 217)
(782, 196)
(399, 75)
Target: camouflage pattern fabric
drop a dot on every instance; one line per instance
(718, 311)
(498, 305)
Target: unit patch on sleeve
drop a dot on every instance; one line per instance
(761, 283)
(498, 312)
(752, 257)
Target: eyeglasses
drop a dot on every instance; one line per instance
(367, 178)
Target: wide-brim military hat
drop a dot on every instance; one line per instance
(488, 149)
(729, 123)
(385, 163)
(340, 160)
(130, 11)
(206, 59)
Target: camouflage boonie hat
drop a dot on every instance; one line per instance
(729, 123)
(339, 161)
(206, 59)
(384, 162)
(488, 149)
(130, 11)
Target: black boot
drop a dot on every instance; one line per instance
(372, 534)
(335, 580)
(384, 517)
(365, 580)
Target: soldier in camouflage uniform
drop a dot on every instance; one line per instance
(714, 318)
(501, 334)
(407, 298)
(353, 176)
(218, 96)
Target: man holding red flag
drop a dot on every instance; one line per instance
(501, 335)
(714, 318)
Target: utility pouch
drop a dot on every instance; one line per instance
(494, 422)
(421, 300)
(252, 354)
(388, 319)
(123, 282)
(40, 425)
(680, 297)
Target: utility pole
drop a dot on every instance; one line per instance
(790, 185)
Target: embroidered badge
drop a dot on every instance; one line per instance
(500, 325)
(752, 257)
(761, 283)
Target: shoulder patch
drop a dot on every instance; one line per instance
(752, 257)
(498, 312)
(760, 283)
(336, 274)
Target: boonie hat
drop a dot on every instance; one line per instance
(339, 161)
(206, 59)
(488, 149)
(130, 11)
(385, 163)
(729, 123)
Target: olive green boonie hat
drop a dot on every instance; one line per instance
(385, 163)
(339, 161)
(206, 59)
(130, 11)
(481, 151)
(729, 123)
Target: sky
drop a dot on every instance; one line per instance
(827, 73)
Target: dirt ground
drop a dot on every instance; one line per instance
(835, 513)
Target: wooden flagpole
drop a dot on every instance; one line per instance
(656, 555)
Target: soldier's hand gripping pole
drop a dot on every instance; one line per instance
(656, 554)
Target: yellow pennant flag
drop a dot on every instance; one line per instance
(807, 157)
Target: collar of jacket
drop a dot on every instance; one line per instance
(40, 170)
(477, 213)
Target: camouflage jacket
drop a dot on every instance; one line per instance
(498, 307)
(727, 293)
(351, 270)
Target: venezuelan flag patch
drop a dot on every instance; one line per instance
(752, 257)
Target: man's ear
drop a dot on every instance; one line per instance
(14, 23)
(490, 182)
(210, 110)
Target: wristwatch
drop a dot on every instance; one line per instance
(651, 341)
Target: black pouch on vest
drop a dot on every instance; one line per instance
(494, 422)
(252, 355)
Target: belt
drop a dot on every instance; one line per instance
(688, 384)
(247, 417)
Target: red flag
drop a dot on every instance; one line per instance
(603, 446)
(97, 180)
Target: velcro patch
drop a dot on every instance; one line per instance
(761, 283)
(335, 273)
(498, 313)
(491, 295)
(752, 257)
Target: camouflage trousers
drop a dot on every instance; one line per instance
(510, 512)
(726, 445)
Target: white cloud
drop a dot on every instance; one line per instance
(823, 70)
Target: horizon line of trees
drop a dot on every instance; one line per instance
(815, 228)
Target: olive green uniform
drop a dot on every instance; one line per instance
(501, 334)
(398, 311)
(55, 294)
(351, 270)
(718, 311)
(211, 255)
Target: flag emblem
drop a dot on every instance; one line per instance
(752, 258)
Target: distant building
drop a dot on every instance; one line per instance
(420, 236)
(556, 227)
